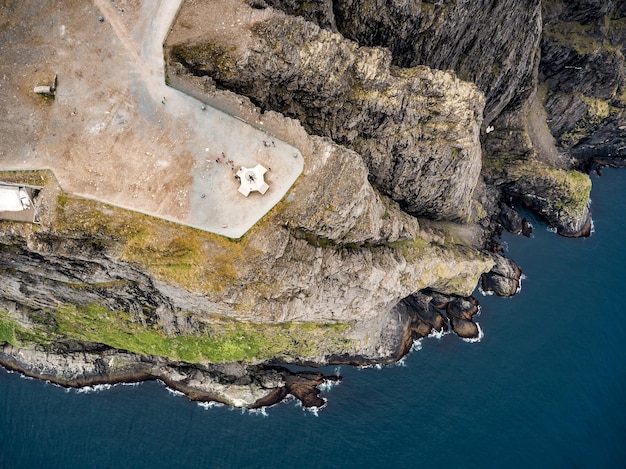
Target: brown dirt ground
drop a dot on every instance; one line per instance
(115, 132)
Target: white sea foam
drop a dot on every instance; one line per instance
(416, 346)
(313, 410)
(593, 227)
(209, 405)
(132, 384)
(483, 292)
(260, 411)
(519, 286)
(476, 339)
(316, 410)
(434, 334)
(551, 229)
(328, 384)
(96, 388)
(174, 392)
(401, 362)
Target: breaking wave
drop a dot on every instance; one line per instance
(417, 345)
(96, 388)
(328, 384)
(519, 286)
(174, 392)
(434, 334)
(210, 405)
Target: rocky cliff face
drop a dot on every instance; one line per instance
(583, 71)
(310, 284)
(491, 44)
(435, 109)
(417, 129)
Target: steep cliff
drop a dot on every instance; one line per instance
(584, 72)
(417, 129)
(496, 46)
(440, 110)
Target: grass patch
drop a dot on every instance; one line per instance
(193, 259)
(224, 342)
(7, 330)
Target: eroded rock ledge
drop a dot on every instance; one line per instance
(74, 364)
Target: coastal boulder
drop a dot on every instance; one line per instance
(464, 328)
(504, 278)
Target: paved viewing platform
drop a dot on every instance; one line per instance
(116, 133)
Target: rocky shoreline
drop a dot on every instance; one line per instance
(251, 386)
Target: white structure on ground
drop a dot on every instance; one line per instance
(251, 179)
(14, 199)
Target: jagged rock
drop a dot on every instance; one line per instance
(527, 228)
(444, 36)
(426, 316)
(462, 308)
(583, 67)
(347, 209)
(233, 383)
(503, 279)
(510, 219)
(438, 300)
(560, 196)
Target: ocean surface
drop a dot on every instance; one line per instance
(545, 387)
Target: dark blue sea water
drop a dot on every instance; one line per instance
(546, 387)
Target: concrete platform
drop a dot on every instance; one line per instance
(116, 133)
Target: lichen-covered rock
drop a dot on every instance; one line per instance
(504, 279)
(560, 196)
(444, 36)
(584, 70)
(417, 129)
(346, 208)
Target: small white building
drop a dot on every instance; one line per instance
(17, 202)
(252, 179)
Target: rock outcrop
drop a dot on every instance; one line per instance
(499, 56)
(417, 129)
(584, 72)
(75, 365)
